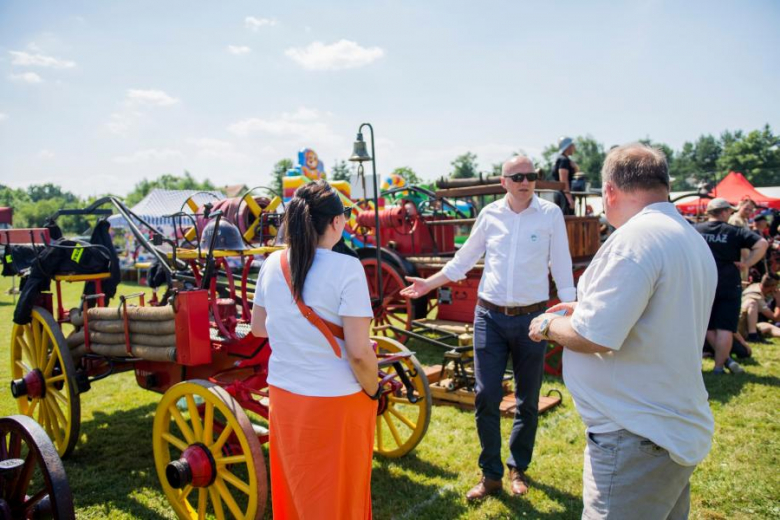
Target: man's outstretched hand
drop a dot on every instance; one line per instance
(418, 288)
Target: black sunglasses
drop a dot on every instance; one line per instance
(518, 177)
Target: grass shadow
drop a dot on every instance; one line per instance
(570, 506)
(723, 388)
(397, 491)
(113, 462)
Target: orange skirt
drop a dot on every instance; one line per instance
(321, 450)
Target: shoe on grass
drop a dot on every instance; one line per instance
(734, 367)
(483, 489)
(718, 371)
(755, 337)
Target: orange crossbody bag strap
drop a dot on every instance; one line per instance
(330, 330)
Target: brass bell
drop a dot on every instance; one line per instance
(359, 152)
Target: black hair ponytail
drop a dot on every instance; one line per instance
(306, 218)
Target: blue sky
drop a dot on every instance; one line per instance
(96, 95)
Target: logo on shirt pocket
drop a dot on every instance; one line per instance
(534, 237)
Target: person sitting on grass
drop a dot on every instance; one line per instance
(754, 303)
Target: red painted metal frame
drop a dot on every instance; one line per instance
(25, 236)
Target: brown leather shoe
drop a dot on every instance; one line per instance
(485, 487)
(519, 481)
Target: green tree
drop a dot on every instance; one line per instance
(279, 171)
(755, 155)
(407, 174)
(38, 192)
(464, 166)
(12, 197)
(696, 162)
(340, 171)
(589, 157)
(166, 182)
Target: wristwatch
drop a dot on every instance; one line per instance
(544, 328)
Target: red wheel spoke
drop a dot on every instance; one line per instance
(30, 502)
(25, 476)
(14, 446)
(3, 448)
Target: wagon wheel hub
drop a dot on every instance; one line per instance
(33, 385)
(195, 467)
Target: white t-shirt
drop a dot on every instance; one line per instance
(302, 361)
(647, 295)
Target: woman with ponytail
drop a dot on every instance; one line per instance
(322, 373)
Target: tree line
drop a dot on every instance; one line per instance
(35, 204)
(756, 154)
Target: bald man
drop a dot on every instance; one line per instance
(523, 239)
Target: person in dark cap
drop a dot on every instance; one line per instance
(726, 242)
(563, 171)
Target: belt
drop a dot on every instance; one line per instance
(512, 311)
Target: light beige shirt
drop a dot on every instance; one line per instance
(736, 220)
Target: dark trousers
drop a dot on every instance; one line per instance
(496, 336)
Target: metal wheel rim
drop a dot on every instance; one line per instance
(392, 283)
(15, 432)
(256, 488)
(41, 344)
(392, 421)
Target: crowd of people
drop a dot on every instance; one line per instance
(632, 332)
(747, 296)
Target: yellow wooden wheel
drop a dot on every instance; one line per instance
(207, 454)
(44, 379)
(401, 424)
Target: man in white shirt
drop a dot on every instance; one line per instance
(523, 239)
(632, 360)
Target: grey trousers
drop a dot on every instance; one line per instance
(628, 476)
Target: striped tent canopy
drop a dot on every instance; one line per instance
(159, 203)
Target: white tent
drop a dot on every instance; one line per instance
(155, 207)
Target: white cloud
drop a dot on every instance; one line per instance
(208, 148)
(148, 155)
(121, 121)
(150, 97)
(302, 114)
(343, 54)
(293, 130)
(131, 112)
(256, 24)
(25, 59)
(45, 154)
(3, 116)
(26, 77)
(238, 49)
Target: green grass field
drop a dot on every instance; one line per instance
(111, 471)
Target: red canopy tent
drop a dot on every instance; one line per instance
(734, 187)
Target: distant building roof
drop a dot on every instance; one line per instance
(234, 190)
(159, 203)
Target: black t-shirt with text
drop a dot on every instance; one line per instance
(726, 242)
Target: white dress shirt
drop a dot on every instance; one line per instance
(521, 250)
